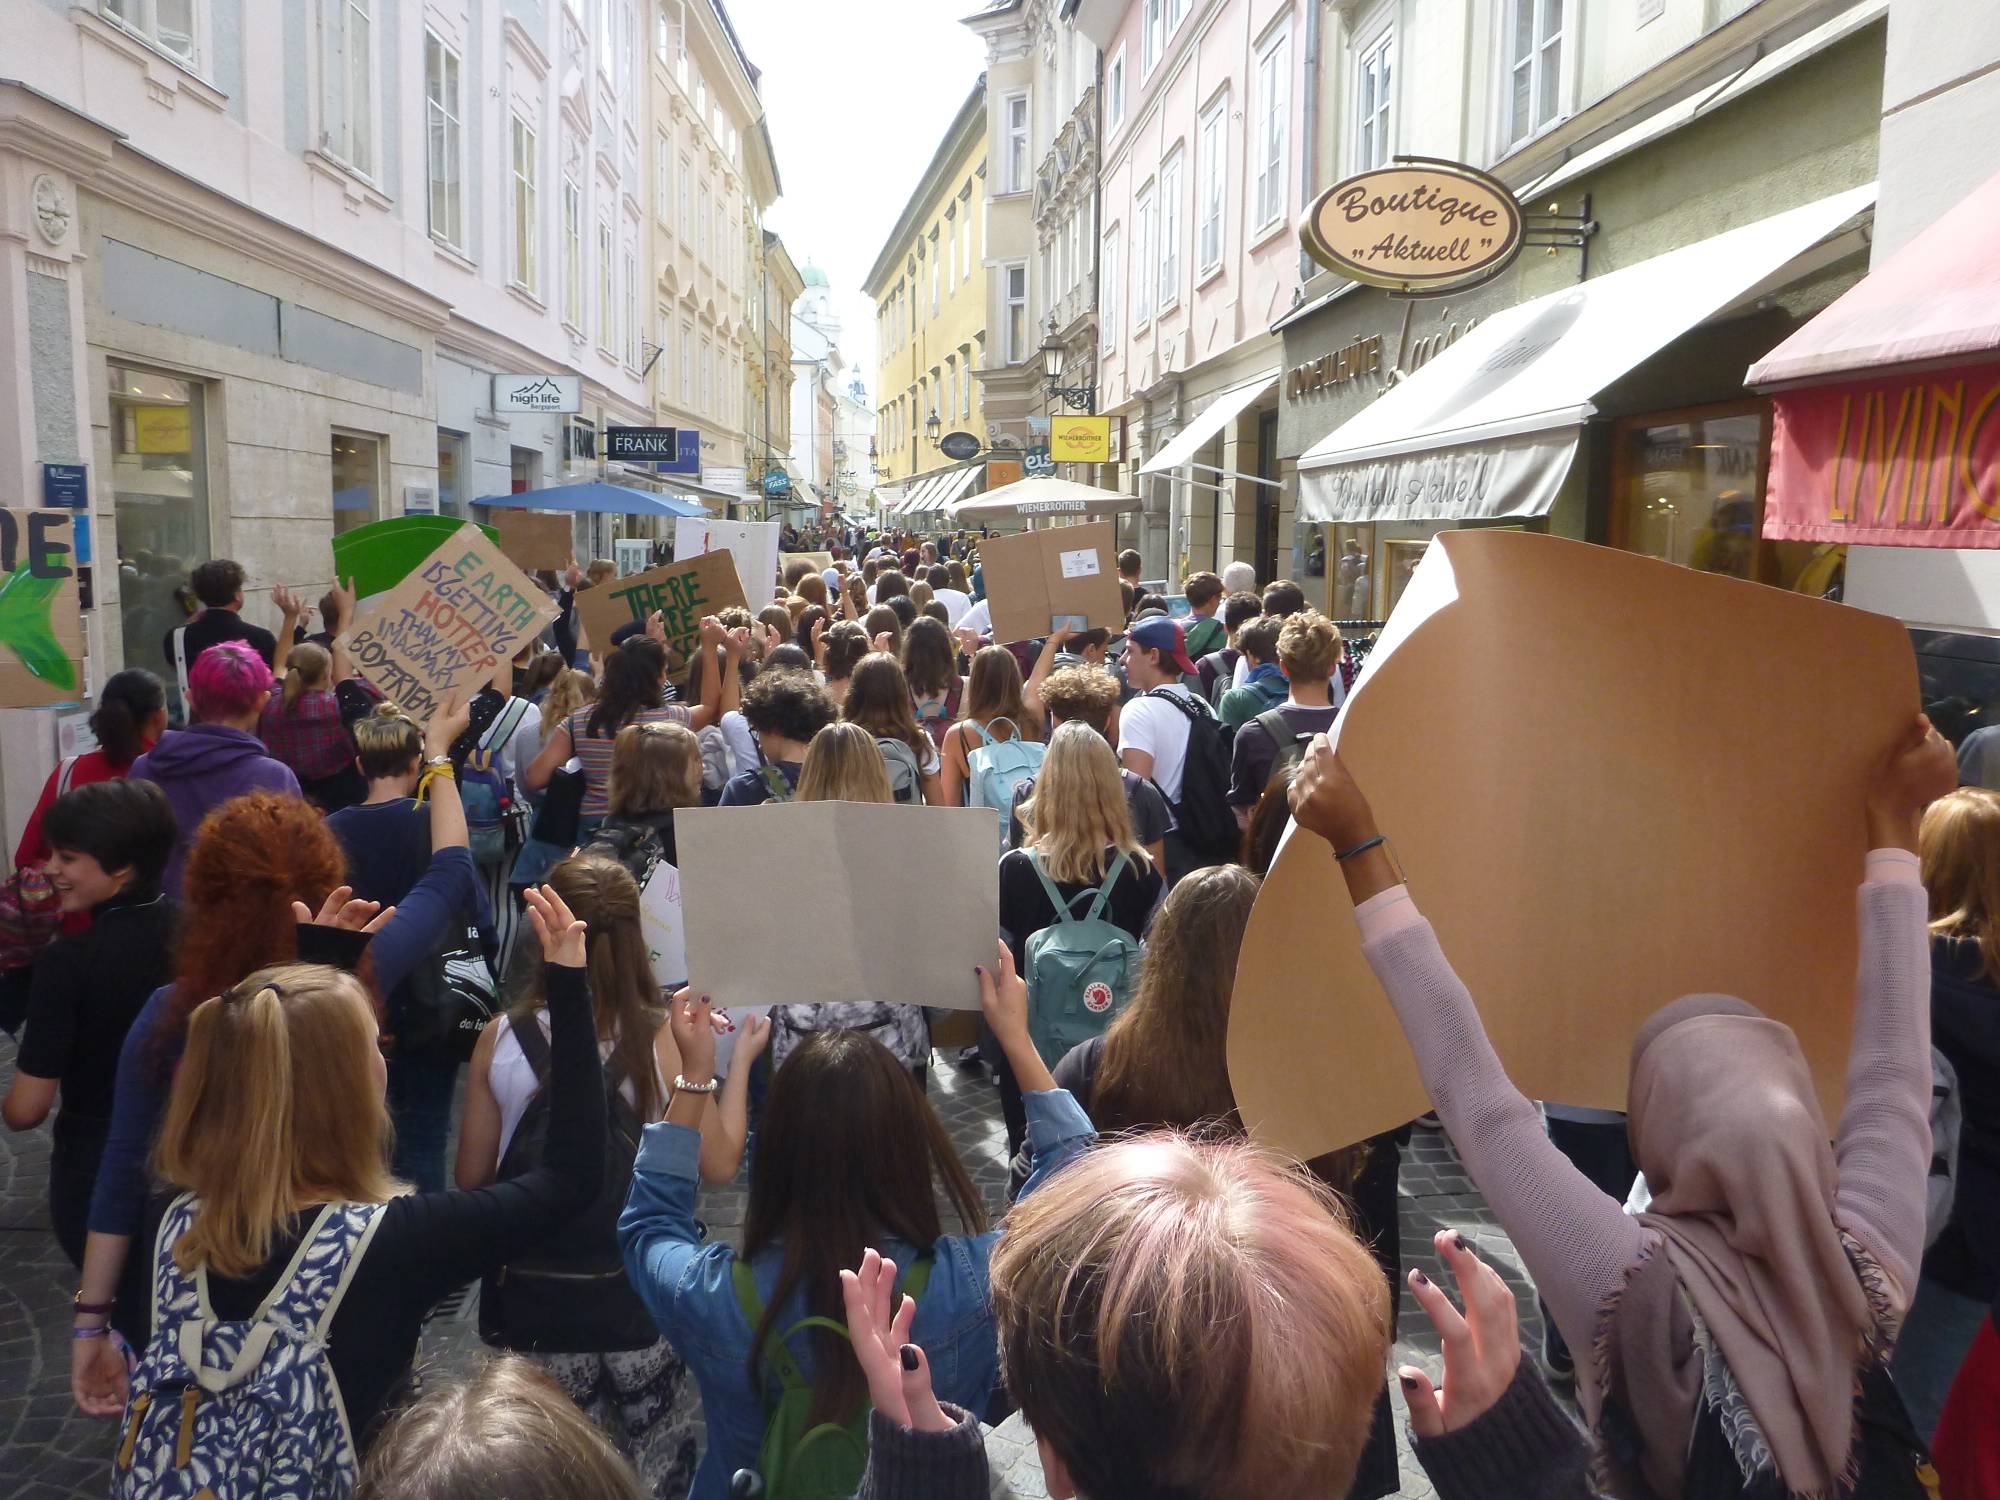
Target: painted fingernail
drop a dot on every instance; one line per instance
(1420, 1278)
(1409, 1382)
(1463, 1248)
(979, 971)
(910, 1358)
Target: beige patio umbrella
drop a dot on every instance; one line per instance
(1026, 499)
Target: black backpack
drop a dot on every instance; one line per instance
(569, 1294)
(1207, 822)
(1291, 742)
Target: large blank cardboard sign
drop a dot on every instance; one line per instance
(41, 631)
(754, 545)
(1039, 578)
(681, 592)
(930, 871)
(450, 627)
(1611, 782)
(533, 540)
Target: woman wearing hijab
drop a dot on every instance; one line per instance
(1732, 1341)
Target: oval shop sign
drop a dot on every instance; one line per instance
(1416, 227)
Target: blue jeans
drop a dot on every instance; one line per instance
(420, 1094)
(1935, 1337)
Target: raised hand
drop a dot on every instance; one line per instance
(561, 931)
(1326, 799)
(756, 1029)
(446, 725)
(342, 910)
(1482, 1346)
(1917, 770)
(899, 1377)
(693, 1022)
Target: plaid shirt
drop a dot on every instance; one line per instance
(311, 738)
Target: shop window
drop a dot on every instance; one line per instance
(159, 487)
(357, 480)
(453, 500)
(1688, 487)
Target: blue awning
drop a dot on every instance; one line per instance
(598, 498)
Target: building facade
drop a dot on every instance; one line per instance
(929, 286)
(768, 439)
(1628, 135)
(817, 369)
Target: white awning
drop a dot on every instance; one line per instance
(950, 486)
(1477, 432)
(1212, 418)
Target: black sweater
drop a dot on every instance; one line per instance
(429, 1243)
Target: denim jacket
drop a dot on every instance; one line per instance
(686, 1284)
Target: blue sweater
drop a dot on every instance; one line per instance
(146, 1068)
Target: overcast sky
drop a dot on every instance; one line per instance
(859, 93)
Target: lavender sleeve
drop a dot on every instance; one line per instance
(1883, 1145)
(1575, 1240)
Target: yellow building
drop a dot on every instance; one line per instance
(929, 288)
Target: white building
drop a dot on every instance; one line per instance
(817, 366)
(260, 267)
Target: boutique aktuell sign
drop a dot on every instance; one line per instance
(1417, 227)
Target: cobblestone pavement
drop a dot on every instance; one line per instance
(48, 1451)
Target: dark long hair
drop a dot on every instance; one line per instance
(129, 699)
(631, 685)
(850, 1152)
(878, 699)
(930, 660)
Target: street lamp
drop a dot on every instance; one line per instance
(933, 425)
(1054, 359)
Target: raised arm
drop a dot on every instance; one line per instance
(1045, 663)
(1883, 1146)
(1575, 1240)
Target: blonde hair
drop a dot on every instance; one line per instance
(1078, 809)
(386, 741)
(654, 767)
(1197, 1310)
(506, 1429)
(920, 594)
(1959, 843)
(305, 671)
(570, 691)
(1308, 646)
(843, 764)
(276, 1106)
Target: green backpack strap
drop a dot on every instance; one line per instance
(744, 1282)
(1064, 911)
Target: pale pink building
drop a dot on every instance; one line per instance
(1204, 158)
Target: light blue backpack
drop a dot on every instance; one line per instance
(225, 1410)
(1080, 970)
(998, 767)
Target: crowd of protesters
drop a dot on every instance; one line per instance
(273, 939)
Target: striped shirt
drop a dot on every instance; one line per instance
(595, 751)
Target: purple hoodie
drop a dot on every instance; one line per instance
(202, 767)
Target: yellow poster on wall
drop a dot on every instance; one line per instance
(1080, 440)
(161, 429)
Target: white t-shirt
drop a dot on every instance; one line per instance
(977, 617)
(955, 601)
(523, 746)
(1161, 731)
(742, 747)
(834, 583)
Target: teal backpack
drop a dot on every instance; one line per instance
(796, 1460)
(1080, 970)
(998, 767)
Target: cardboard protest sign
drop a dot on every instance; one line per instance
(450, 627)
(378, 556)
(1612, 782)
(41, 625)
(663, 925)
(532, 540)
(932, 873)
(1039, 579)
(681, 591)
(821, 561)
(754, 545)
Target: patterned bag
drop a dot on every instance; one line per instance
(225, 1409)
(30, 909)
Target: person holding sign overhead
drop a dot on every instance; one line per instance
(1734, 1339)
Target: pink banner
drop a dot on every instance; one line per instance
(1900, 461)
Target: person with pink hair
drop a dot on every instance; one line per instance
(219, 756)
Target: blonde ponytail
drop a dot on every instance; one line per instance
(306, 668)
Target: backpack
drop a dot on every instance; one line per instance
(30, 910)
(1203, 636)
(1080, 970)
(906, 777)
(797, 1461)
(1225, 674)
(569, 1295)
(1207, 823)
(226, 1409)
(1291, 742)
(936, 718)
(775, 784)
(484, 790)
(997, 767)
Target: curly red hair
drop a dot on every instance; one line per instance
(252, 858)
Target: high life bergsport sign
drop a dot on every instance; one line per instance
(1419, 227)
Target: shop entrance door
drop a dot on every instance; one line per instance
(1267, 496)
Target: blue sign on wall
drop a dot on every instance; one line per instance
(777, 482)
(687, 454)
(66, 485)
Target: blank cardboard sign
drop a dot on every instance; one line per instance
(533, 540)
(1038, 577)
(1611, 781)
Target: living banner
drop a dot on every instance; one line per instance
(450, 627)
(41, 631)
(680, 592)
